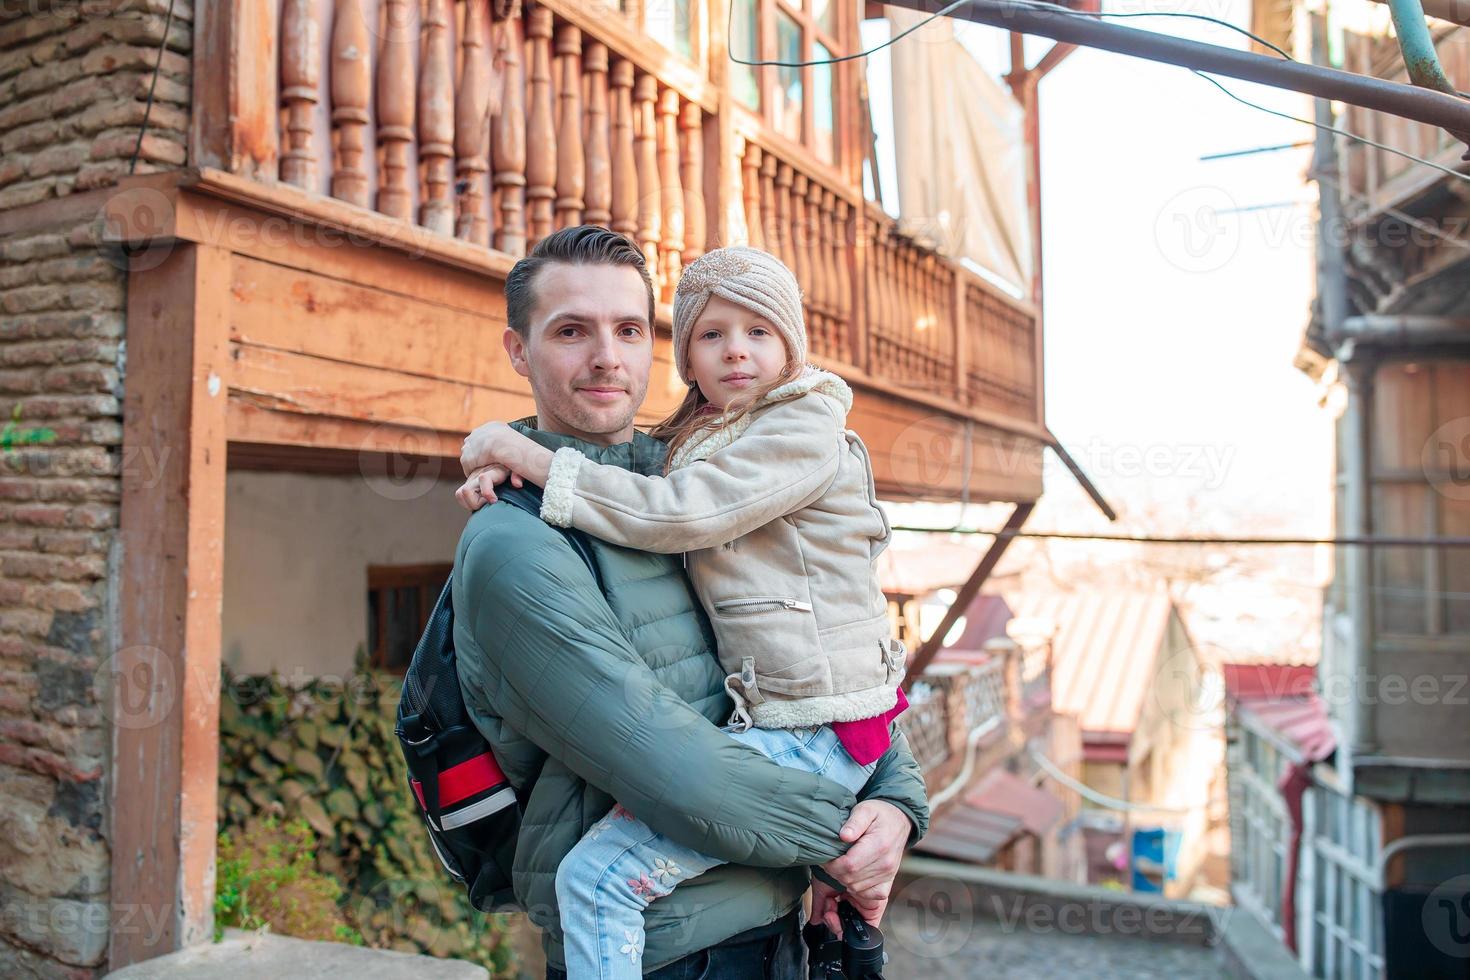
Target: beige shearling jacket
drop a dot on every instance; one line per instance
(781, 526)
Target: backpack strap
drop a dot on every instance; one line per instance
(528, 499)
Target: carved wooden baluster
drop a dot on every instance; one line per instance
(472, 127)
(352, 81)
(436, 120)
(691, 163)
(599, 156)
(540, 126)
(301, 74)
(842, 256)
(770, 223)
(872, 291)
(571, 166)
(785, 220)
(671, 191)
(800, 244)
(913, 308)
(750, 166)
(821, 271)
(510, 142)
(872, 307)
(396, 108)
(624, 166)
(645, 145)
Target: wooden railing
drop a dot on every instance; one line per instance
(1374, 178)
(495, 124)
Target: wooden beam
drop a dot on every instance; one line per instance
(166, 672)
(920, 661)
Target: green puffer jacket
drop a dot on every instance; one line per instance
(592, 695)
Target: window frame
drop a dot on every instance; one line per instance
(428, 578)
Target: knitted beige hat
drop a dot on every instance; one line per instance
(756, 280)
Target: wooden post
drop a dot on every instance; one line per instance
(236, 92)
(165, 675)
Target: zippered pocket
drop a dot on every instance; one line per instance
(760, 603)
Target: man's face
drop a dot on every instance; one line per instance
(588, 350)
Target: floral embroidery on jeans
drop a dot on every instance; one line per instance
(664, 869)
(633, 947)
(642, 886)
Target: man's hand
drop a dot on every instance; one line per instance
(878, 832)
(479, 489)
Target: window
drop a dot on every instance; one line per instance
(745, 43)
(801, 104)
(669, 23)
(1421, 488)
(400, 599)
(824, 130)
(786, 101)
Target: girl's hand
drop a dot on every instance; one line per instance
(486, 445)
(479, 489)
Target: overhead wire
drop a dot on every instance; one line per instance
(1057, 8)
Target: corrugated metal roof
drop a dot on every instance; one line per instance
(964, 833)
(1103, 652)
(1009, 795)
(1299, 721)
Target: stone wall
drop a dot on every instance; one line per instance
(74, 77)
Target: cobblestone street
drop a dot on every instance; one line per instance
(989, 949)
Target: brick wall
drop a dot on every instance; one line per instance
(74, 75)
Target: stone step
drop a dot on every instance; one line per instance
(261, 954)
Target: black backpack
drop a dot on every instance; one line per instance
(472, 812)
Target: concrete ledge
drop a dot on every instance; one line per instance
(1252, 953)
(260, 954)
(1045, 905)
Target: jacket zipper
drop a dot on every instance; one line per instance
(764, 601)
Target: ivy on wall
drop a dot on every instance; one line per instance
(324, 752)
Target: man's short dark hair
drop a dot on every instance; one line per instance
(582, 245)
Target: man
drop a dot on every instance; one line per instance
(595, 688)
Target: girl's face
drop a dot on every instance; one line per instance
(732, 350)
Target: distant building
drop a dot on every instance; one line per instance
(1379, 882)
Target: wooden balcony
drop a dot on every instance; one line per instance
(451, 135)
(1376, 180)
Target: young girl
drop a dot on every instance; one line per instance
(772, 499)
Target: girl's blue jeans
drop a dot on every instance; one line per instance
(620, 866)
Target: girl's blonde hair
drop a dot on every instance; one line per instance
(689, 419)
